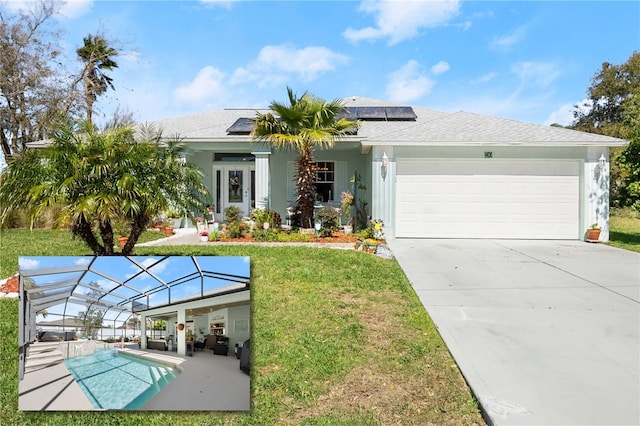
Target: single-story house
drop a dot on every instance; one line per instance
(428, 174)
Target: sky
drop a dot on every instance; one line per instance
(528, 61)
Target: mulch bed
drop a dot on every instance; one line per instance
(11, 286)
(337, 237)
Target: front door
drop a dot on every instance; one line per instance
(237, 186)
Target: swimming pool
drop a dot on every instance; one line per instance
(115, 381)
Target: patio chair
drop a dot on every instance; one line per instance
(245, 356)
(209, 341)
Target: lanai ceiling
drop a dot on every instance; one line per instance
(121, 286)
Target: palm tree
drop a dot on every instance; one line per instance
(97, 57)
(100, 178)
(307, 123)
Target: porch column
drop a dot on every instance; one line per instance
(383, 177)
(181, 337)
(596, 192)
(143, 331)
(262, 182)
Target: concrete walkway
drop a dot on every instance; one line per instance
(545, 332)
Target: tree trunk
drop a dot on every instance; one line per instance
(306, 183)
(106, 232)
(82, 229)
(6, 149)
(137, 228)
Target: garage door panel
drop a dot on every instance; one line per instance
(506, 200)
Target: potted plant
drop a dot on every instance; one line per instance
(593, 233)
(167, 228)
(199, 222)
(121, 230)
(204, 236)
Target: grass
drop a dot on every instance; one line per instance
(624, 230)
(338, 337)
(39, 242)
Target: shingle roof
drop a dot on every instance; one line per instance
(431, 128)
(468, 129)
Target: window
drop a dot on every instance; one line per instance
(325, 179)
(234, 157)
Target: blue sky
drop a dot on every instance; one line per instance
(529, 61)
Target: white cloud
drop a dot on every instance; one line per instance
(208, 83)
(465, 25)
(485, 78)
(26, 263)
(564, 114)
(133, 56)
(508, 40)
(408, 83)
(83, 261)
(440, 67)
(276, 64)
(69, 9)
(402, 20)
(225, 4)
(538, 74)
(73, 9)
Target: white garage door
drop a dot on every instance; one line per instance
(487, 199)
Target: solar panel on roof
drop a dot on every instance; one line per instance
(350, 113)
(372, 113)
(400, 113)
(242, 126)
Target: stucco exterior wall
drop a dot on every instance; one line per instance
(281, 167)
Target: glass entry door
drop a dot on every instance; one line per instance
(238, 188)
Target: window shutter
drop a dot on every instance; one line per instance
(291, 185)
(342, 179)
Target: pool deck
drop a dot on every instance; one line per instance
(47, 384)
(206, 382)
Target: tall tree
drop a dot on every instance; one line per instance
(97, 56)
(101, 177)
(91, 318)
(612, 89)
(612, 109)
(34, 89)
(305, 124)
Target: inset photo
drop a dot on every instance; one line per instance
(162, 333)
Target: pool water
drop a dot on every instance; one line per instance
(119, 382)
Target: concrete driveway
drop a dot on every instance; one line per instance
(545, 332)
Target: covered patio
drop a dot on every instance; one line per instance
(195, 296)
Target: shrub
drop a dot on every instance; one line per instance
(232, 214)
(374, 230)
(294, 237)
(330, 218)
(261, 234)
(260, 216)
(236, 229)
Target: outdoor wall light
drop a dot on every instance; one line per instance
(384, 166)
(180, 327)
(602, 162)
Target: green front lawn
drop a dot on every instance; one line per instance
(624, 230)
(338, 337)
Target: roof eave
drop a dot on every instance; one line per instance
(547, 144)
